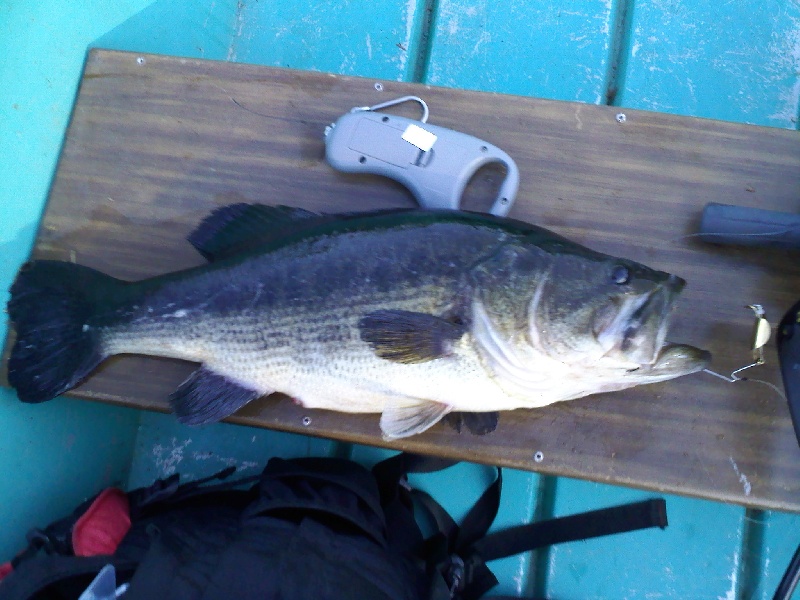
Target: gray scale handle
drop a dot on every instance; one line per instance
(372, 142)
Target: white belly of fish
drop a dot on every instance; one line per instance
(334, 369)
(355, 380)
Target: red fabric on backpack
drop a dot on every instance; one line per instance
(102, 527)
(5, 569)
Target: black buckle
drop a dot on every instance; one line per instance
(39, 540)
(454, 574)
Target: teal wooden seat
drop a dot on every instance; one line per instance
(730, 61)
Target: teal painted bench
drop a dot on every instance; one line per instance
(673, 56)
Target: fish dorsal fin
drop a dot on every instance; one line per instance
(403, 417)
(233, 229)
(207, 397)
(409, 337)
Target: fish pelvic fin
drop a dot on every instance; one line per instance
(403, 417)
(208, 397)
(409, 337)
(476, 423)
(52, 307)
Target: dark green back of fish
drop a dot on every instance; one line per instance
(331, 259)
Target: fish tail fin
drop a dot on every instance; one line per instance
(51, 306)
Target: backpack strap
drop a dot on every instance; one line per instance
(391, 471)
(447, 553)
(33, 577)
(163, 493)
(596, 523)
(458, 554)
(481, 516)
(451, 550)
(402, 531)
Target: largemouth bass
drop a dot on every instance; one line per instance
(408, 313)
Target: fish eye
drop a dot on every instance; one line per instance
(620, 275)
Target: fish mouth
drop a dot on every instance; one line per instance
(634, 331)
(674, 360)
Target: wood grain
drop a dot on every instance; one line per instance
(155, 143)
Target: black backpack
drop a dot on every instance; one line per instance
(308, 528)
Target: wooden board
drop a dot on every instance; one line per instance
(156, 142)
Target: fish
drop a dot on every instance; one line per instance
(412, 314)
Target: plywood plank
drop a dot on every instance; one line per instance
(154, 144)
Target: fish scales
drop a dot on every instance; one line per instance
(410, 314)
(288, 321)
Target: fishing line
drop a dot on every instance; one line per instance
(734, 379)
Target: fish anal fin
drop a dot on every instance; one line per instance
(208, 397)
(403, 417)
(233, 229)
(409, 337)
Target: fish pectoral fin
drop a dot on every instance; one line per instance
(409, 337)
(207, 397)
(403, 417)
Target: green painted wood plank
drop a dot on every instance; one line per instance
(353, 38)
(42, 46)
(370, 39)
(554, 50)
(775, 540)
(736, 61)
(164, 447)
(55, 455)
(697, 556)
(178, 28)
(518, 504)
